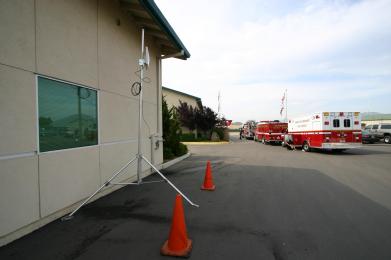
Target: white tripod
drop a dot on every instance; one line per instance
(139, 156)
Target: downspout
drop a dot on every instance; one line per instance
(157, 138)
(159, 129)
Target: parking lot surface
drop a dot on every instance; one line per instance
(269, 203)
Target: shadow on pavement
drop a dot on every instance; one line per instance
(358, 151)
(256, 212)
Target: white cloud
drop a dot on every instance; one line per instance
(316, 51)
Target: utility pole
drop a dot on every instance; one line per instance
(286, 105)
(219, 103)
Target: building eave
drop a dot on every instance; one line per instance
(148, 16)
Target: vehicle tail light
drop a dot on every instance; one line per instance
(326, 122)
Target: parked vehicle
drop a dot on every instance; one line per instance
(248, 129)
(381, 131)
(368, 137)
(327, 130)
(270, 131)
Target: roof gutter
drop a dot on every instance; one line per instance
(174, 55)
(159, 18)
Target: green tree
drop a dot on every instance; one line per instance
(45, 121)
(172, 146)
(186, 115)
(206, 120)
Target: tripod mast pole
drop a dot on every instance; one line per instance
(139, 156)
(140, 114)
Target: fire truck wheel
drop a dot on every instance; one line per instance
(387, 139)
(306, 147)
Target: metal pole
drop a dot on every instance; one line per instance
(286, 105)
(171, 184)
(140, 114)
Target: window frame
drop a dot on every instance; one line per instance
(339, 122)
(37, 76)
(347, 125)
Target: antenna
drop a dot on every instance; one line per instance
(146, 57)
(143, 62)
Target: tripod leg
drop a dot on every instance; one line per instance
(169, 182)
(107, 183)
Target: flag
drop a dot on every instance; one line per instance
(282, 103)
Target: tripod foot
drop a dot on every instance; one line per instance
(66, 218)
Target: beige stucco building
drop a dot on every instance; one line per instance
(68, 119)
(174, 97)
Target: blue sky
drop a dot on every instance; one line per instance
(329, 55)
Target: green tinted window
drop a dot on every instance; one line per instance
(67, 115)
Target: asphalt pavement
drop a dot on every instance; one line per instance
(269, 203)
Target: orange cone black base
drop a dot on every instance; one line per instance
(178, 244)
(208, 180)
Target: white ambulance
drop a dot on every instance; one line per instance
(326, 130)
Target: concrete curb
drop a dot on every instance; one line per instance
(174, 161)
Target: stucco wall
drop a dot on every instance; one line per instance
(79, 42)
(172, 98)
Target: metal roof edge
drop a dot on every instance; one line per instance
(158, 16)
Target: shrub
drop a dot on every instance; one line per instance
(182, 149)
(189, 137)
(202, 118)
(171, 133)
(220, 132)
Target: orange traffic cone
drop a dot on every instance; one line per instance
(208, 180)
(178, 244)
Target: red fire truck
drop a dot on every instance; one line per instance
(270, 131)
(327, 130)
(248, 129)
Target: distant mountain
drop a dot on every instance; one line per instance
(73, 120)
(371, 113)
(375, 116)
